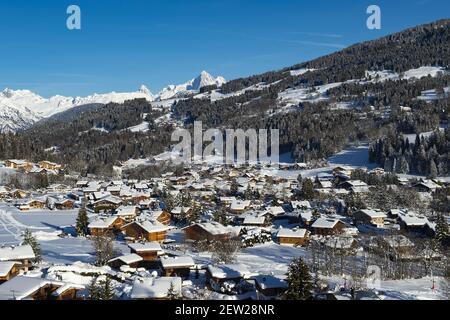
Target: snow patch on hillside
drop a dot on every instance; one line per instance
(300, 72)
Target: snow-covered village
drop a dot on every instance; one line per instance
(206, 231)
(310, 162)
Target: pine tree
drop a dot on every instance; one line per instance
(94, 293)
(299, 280)
(171, 293)
(220, 216)
(442, 232)
(169, 201)
(29, 239)
(248, 193)
(307, 189)
(106, 289)
(234, 188)
(195, 211)
(82, 222)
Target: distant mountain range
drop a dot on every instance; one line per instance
(19, 109)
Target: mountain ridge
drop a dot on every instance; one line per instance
(19, 109)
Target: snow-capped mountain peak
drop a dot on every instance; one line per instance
(192, 86)
(145, 90)
(205, 79)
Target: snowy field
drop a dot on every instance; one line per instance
(46, 226)
(408, 289)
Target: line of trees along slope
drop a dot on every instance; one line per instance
(425, 156)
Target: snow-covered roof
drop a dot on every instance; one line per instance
(307, 215)
(16, 253)
(21, 287)
(103, 223)
(270, 282)
(429, 184)
(6, 266)
(128, 259)
(289, 233)
(396, 212)
(181, 261)
(254, 220)
(215, 228)
(113, 188)
(145, 247)
(276, 211)
(155, 288)
(326, 184)
(178, 210)
(229, 271)
(228, 199)
(150, 227)
(373, 213)
(411, 219)
(67, 286)
(111, 199)
(126, 210)
(325, 223)
(356, 183)
(240, 205)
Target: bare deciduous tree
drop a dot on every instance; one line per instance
(104, 248)
(225, 251)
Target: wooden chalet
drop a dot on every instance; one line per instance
(49, 165)
(19, 194)
(238, 207)
(36, 204)
(160, 216)
(208, 231)
(177, 266)
(327, 227)
(289, 237)
(19, 164)
(102, 226)
(107, 204)
(32, 288)
(254, 221)
(65, 204)
(216, 275)
(127, 213)
(137, 199)
(368, 216)
(21, 254)
(131, 260)
(269, 286)
(149, 251)
(8, 270)
(145, 231)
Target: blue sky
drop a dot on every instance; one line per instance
(123, 44)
